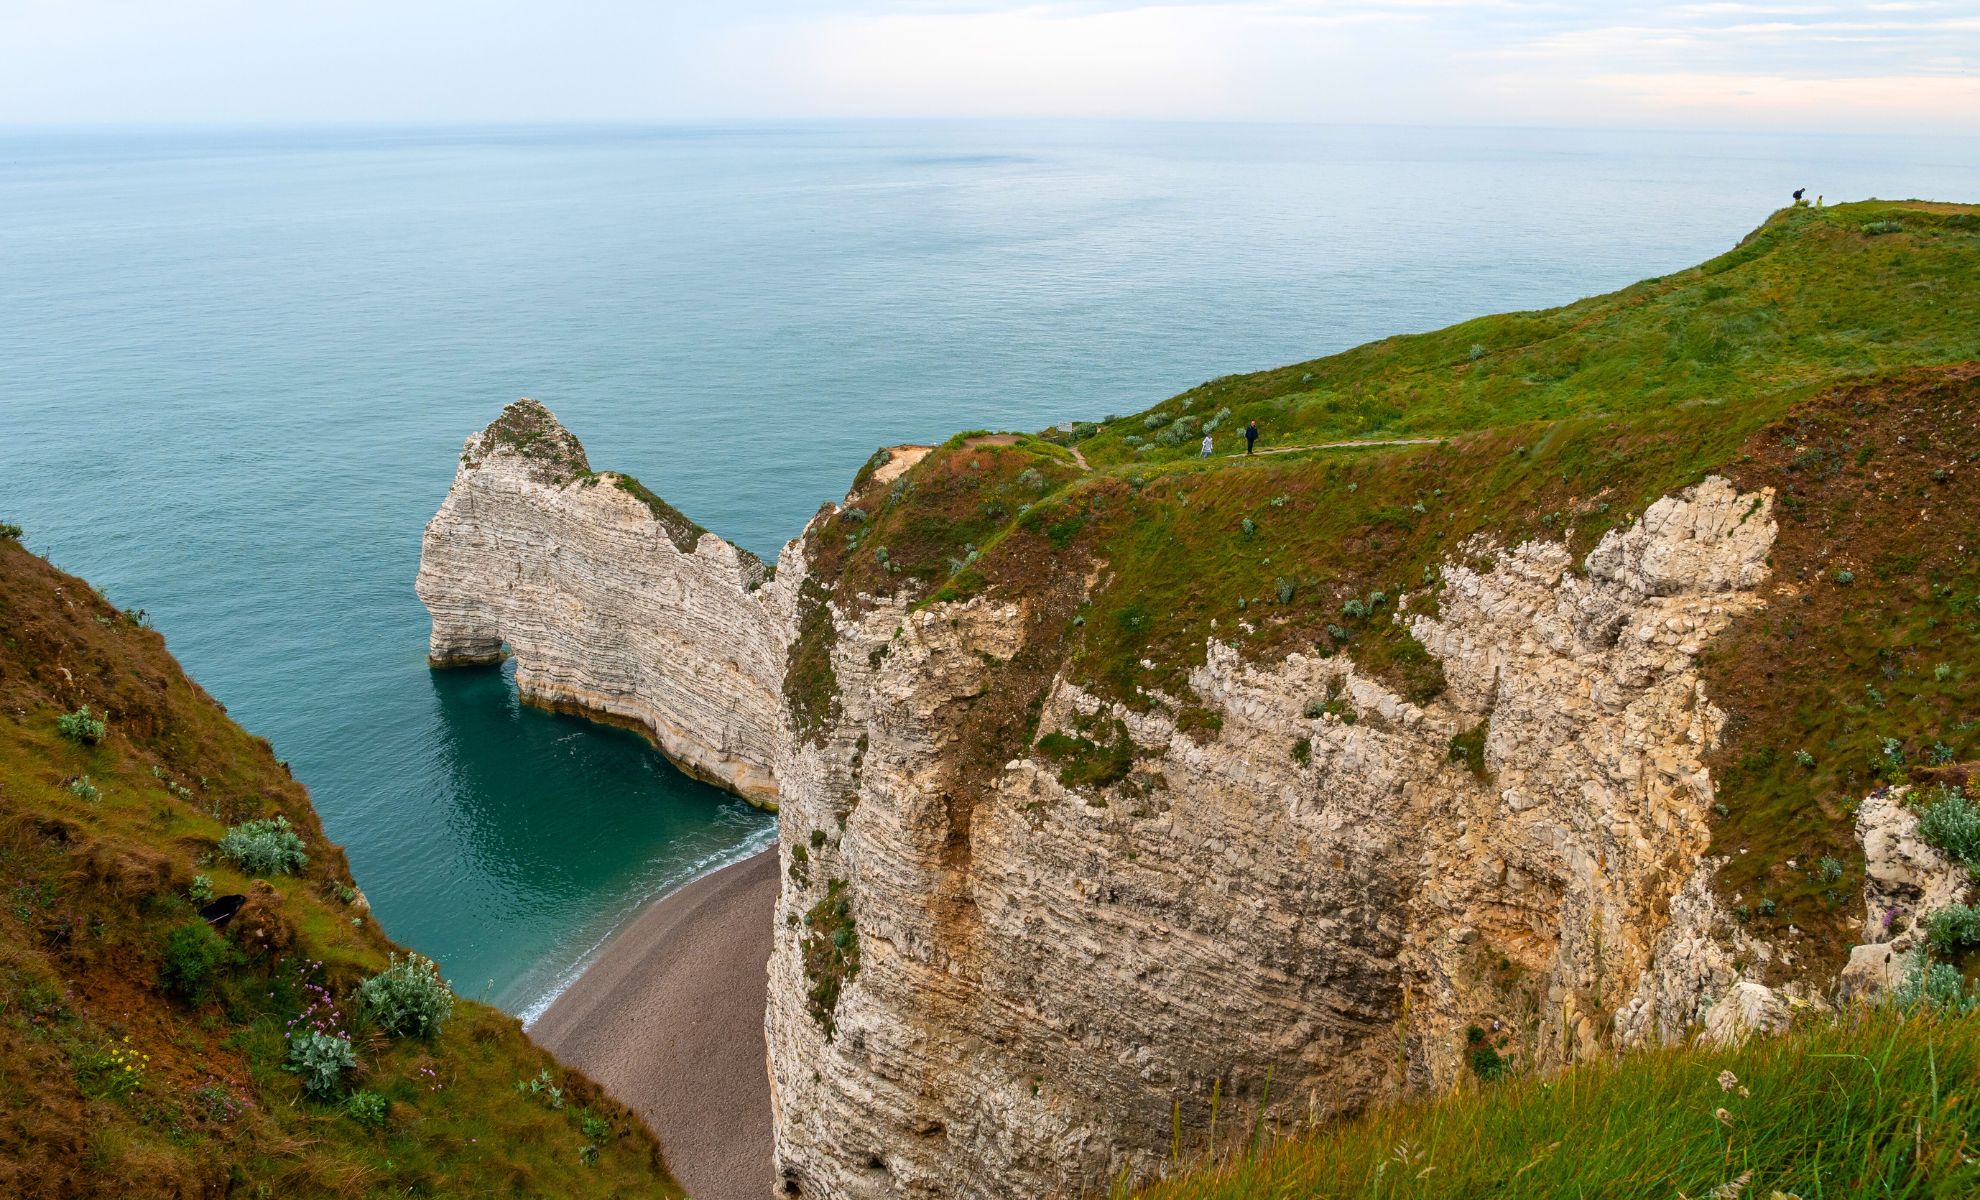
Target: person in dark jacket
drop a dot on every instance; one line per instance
(1250, 436)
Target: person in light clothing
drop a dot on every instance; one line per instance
(1206, 446)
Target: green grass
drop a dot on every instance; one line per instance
(1876, 1105)
(1806, 299)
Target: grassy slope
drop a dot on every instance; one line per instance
(1876, 1106)
(92, 887)
(1807, 298)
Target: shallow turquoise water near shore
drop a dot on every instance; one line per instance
(239, 367)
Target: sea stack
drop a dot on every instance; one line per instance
(613, 604)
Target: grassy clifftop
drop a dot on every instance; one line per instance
(140, 1055)
(1812, 296)
(1833, 357)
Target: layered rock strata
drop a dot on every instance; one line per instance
(613, 604)
(1049, 977)
(987, 983)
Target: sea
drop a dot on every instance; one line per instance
(237, 366)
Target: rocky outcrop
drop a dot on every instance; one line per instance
(613, 604)
(1905, 880)
(987, 981)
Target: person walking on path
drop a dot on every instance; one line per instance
(1206, 446)
(1250, 436)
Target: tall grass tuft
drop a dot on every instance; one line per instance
(1877, 1104)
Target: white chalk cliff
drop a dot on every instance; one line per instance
(613, 604)
(1048, 977)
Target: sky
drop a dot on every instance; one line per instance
(1896, 67)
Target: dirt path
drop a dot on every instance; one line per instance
(897, 466)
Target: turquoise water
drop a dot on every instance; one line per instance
(239, 366)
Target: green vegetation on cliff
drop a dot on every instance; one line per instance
(1812, 296)
(1831, 357)
(142, 1053)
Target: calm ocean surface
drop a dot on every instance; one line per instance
(239, 367)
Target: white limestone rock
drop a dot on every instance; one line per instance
(611, 607)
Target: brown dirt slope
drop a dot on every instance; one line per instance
(1864, 668)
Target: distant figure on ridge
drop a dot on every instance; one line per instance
(1797, 194)
(1250, 436)
(1206, 446)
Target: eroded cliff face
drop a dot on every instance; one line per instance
(1321, 890)
(989, 982)
(613, 604)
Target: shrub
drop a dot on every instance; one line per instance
(1767, 906)
(9, 532)
(1475, 353)
(193, 957)
(1154, 420)
(1830, 869)
(1082, 430)
(1804, 759)
(1249, 526)
(594, 1127)
(265, 847)
(367, 1108)
(1302, 751)
(1132, 441)
(320, 1060)
(1845, 577)
(82, 789)
(1879, 228)
(408, 998)
(1355, 609)
(81, 727)
(1488, 1064)
(1931, 985)
(1285, 590)
(1030, 478)
(853, 516)
(1953, 929)
(1952, 823)
(1469, 747)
